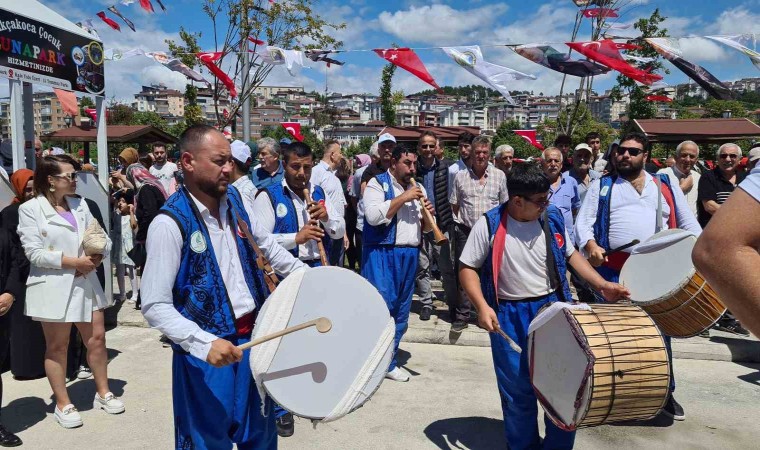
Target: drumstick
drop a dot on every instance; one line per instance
(512, 344)
(320, 244)
(438, 237)
(322, 324)
(622, 247)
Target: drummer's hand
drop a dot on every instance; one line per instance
(318, 211)
(309, 232)
(487, 320)
(223, 353)
(595, 254)
(613, 292)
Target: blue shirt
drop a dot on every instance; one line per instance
(566, 199)
(582, 188)
(428, 179)
(263, 179)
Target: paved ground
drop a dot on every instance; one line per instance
(451, 402)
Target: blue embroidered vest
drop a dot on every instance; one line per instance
(602, 223)
(199, 291)
(382, 234)
(285, 216)
(556, 261)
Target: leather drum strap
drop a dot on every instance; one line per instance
(261, 261)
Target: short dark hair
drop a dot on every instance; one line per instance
(298, 149)
(128, 196)
(562, 139)
(50, 166)
(157, 144)
(641, 138)
(401, 149)
(193, 136)
(592, 135)
(527, 179)
(465, 138)
(427, 133)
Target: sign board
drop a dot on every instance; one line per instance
(35, 52)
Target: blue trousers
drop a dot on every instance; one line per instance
(216, 407)
(518, 400)
(335, 252)
(613, 276)
(392, 271)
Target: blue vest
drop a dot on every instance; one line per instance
(199, 291)
(602, 223)
(382, 234)
(288, 223)
(556, 261)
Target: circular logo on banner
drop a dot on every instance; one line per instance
(282, 210)
(198, 242)
(560, 240)
(385, 187)
(77, 55)
(465, 59)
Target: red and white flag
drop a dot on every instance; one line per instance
(658, 98)
(294, 129)
(209, 60)
(409, 61)
(530, 136)
(92, 112)
(600, 12)
(109, 21)
(147, 5)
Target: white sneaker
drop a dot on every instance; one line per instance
(84, 373)
(397, 374)
(110, 404)
(68, 418)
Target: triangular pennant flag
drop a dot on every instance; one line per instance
(600, 12)
(552, 58)
(294, 129)
(618, 26)
(127, 21)
(208, 59)
(277, 56)
(530, 136)
(658, 98)
(670, 50)
(68, 101)
(176, 65)
(317, 55)
(163, 8)
(146, 5)
(606, 52)
(127, 2)
(741, 42)
(108, 20)
(87, 26)
(639, 59)
(255, 41)
(471, 59)
(409, 61)
(114, 54)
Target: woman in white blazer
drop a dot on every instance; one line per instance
(63, 287)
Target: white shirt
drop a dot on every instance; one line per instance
(356, 191)
(691, 197)
(408, 217)
(164, 246)
(164, 173)
(632, 216)
(751, 184)
(454, 169)
(247, 190)
(523, 272)
(322, 176)
(335, 225)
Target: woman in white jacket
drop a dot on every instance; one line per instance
(63, 287)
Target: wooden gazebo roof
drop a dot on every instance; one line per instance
(133, 134)
(697, 130)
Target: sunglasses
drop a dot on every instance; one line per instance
(540, 203)
(69, 176)
(427, 146)
(728, 155)
(633, 151)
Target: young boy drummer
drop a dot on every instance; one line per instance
(515, 262)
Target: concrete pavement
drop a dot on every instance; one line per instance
(451, 402)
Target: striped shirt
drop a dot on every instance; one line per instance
(475, 199)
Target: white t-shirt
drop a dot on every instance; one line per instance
(751, 184)
(523, 273)
(691, 196)
(164, 173)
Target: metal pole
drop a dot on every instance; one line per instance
(17, 123)
(246, 75)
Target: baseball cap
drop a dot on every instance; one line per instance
(240, 151)
(254, 148)
(580, 147)
(386, 137)
(754, 154)
(285, 141)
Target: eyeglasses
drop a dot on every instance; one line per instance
(540, 203)
(72, 176)
(633, 151)
(427, 146)
(728, 155)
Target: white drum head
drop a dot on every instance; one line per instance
(314, 374)
(659, 266)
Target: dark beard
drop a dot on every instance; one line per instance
(213, 190)
(630, 172)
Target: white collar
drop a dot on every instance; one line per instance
(204, 211)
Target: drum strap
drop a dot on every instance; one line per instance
(658, 226)
(261, 261)
(550, 262)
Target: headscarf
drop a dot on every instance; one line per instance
(363, 159)
(19, 180)
(138, 175)
(129, 155)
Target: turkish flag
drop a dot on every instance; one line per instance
(146, 5)
(92, 112)
(607, 52)
(209, 60)
(109, 21)
(530, 136)
(256, 41)
(294, 129)
(600, 12)
(409, 61)
(658, 98)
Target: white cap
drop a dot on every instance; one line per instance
(57, 151)
(240, 151)
(386, 137)
(754, 154)
(582, 147)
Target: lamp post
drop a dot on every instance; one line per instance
(68, 120)
(727, 114)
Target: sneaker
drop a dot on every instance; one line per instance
(705, 334)
(286, 426)
(68, 418)
(397, 374)
(672, 409)
(425, 313)
(84, 373)
(458, 326)
(132, 301)
(165, 341)
(109, 404)
(732, 326)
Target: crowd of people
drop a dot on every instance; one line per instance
(187, 235)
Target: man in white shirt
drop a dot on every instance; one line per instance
(161, 168)
(323, 174)
(623, 207)
(392, 237)
(200, 288)
(515, 261)
(682, 173)
(355, 196)
(464, 145)
(241, 156)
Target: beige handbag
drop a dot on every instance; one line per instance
(95, 239)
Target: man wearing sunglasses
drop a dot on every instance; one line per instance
(622, 207)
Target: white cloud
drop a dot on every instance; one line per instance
(738, 20)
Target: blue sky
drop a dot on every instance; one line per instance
(412, 23)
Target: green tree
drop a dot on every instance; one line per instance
(150, 118)
(120, 114)
(714, 108)
(584, 124)
(388, 107)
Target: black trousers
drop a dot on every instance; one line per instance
(459, 307)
